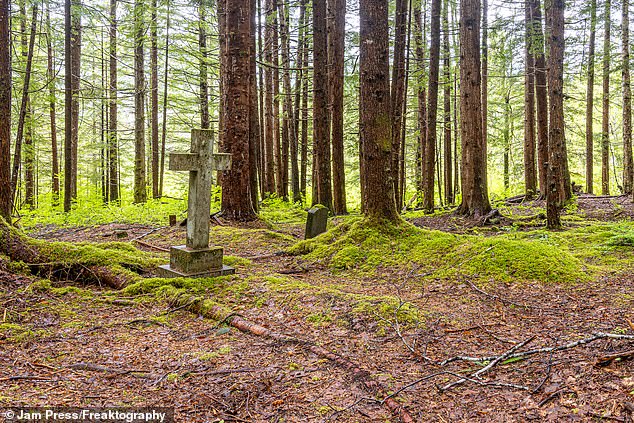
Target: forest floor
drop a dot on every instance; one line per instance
(66, 344)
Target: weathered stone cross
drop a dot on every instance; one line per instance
(196, 258)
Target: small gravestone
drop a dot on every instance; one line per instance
(316, 222)
(196, 258)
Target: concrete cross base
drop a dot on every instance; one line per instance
(166, 271)
(195, 263)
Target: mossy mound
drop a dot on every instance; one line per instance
(367, 246)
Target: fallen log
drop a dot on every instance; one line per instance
(111, 264)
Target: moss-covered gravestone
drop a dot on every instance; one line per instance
(196, 258)
(316, 221)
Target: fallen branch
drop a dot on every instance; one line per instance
(596, 336)
(489, 366)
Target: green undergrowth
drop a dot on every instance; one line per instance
(274, 210)
(558, 257)
(92, 211)
(240, 237)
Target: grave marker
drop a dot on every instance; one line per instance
(196, 258)
(316, 222)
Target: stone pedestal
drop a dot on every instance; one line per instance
(195, 263)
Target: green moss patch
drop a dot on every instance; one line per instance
(565, 257)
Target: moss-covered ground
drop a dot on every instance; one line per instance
(391, 298)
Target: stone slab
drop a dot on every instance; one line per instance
(316, 222)
(191, 261)
(166, 271)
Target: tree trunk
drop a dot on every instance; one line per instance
(277, 145)
(75, 88)
(448, 158)
(269, 129)
(140, 193)
(236, 184)
(432, 108)
(299, 84)
(304, 120)
(628, 167)
(29, 150)
(203, 83)
(556, 138)
(485, 87)
(374, 114)
(154, 101)
(398, 90)
(113, 149)
(475, 199)
(51, 82)
(254, 121)
(530, 171)
(590, 101)
(419, 48)
(336, 50)
(6, 197)
(164, 128)
(288, 130)
(541, 93)
(24, 117)
(605, 117)
(321, 124)
(68, 115)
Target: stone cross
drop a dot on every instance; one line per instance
(196, 258)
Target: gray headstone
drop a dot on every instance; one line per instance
(316, 222)
(195, 258)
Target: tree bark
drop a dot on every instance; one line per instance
(6, 194)
(236, 185)
(113, 149)
(374, 114)
(605, 117)
(336, 51)
(590, 101)
(556, 138)
(475, 199)
(140, 193)
(321, 125)
(628, 167)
